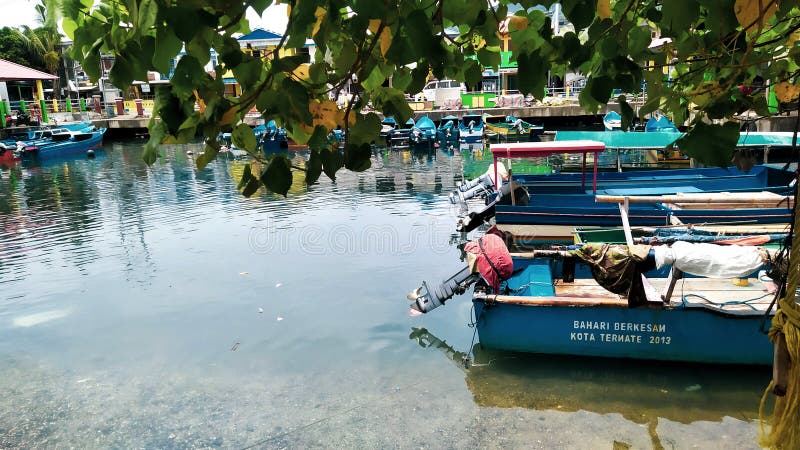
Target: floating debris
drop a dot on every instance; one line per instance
(235, 347)
(278, 285)
(279, 318)
(260, 310)
(694, 387)
(244, 273)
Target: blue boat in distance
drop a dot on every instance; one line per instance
(470, 129)
(62, 144)
(612, 121)
(659, 125)
(423, 134)
(401, 137)
(274, 138)
(448, 129)
(388, 125)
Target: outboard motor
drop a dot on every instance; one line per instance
(424, 299)
(474, 219)
(480, 185)
(519, 126)
(488, 259)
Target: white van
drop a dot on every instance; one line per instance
(438, 91)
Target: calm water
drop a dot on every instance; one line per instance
(156, 307)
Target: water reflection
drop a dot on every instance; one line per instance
(641, 392)
(135, 283)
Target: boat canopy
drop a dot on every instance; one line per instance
(661, 139)
(540, 149)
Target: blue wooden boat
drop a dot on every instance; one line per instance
(64, 144)
(560, 301)
(274, 138)
(388, 125)
(401, 137)
(612, 121)
(551, 217)
(448, 129)
(660, 124)
(511, 127)
(423, 134)
(470, 129)
(546, 315)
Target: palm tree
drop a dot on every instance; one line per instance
(43, 44)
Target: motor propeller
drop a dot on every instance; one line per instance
(425, 299)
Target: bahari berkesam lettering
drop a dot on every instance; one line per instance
(619, 332)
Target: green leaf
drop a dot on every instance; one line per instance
(638, 40)
(249, 72)
(535, 70)
(357, 157)
(374, 80)
(278, 175)
(393, 103)
(313, 167)
(167, 46)
(678, 15)
(260, 5)
(243, 137)
(710, 143)
(252, 186)
(158, 131)
(332, 161)
(148, 10)
(247, 175)
(187, 74)
(121, 74)
(366, 130)
(209, 154)
(626, 112)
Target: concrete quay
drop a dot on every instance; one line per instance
(551, 115)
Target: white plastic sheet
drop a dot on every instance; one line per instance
(710, 260)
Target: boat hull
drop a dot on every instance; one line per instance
(677, 334)
(57, 149)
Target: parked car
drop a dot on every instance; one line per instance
(429, 91)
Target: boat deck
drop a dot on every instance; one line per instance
(720, 295)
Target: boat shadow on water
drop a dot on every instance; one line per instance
(642, 392)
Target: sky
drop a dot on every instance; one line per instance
(15, 13)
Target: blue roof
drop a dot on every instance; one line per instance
(260, 34)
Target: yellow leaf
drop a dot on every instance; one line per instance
(604, 9)
(792, 39)
(319, 14)
(374, 24)
(301, 72)
(200, 103)
(786, 92)
(228, 117)
(386, 40)
(748, 13)
(324, 113)
(517, 22)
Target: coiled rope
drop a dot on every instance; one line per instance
(785, 431)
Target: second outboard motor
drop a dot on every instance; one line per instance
(474, 219)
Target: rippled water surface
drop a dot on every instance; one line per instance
(156, 307)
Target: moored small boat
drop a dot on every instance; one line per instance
(63, 143)
(448, 129)
(401, 137)
(535, 303)
(471, 128)
(423, 134)
(512, 127)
